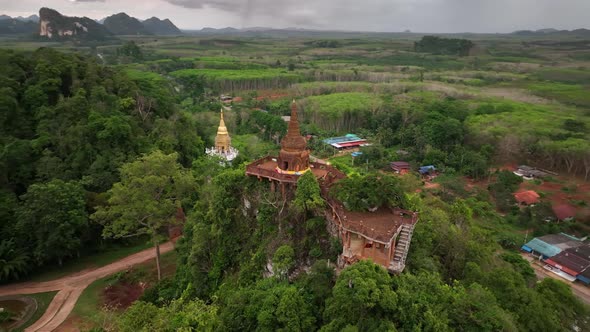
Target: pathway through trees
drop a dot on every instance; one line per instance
(70, 287)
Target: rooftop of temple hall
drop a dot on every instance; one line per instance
(380, 225)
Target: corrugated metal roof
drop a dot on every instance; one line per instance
(342, 139)
(543, 247)
(570, 261)
(552, 244)
(562, 240)
(582, 251)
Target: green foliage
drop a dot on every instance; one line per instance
(130, 49)
(234, 80)
(13, 260)
(340, 111)
(447, 46)
(283, 260)
(520, 264)
(361, 193)
(362, 297)
(269, 305)
(323, 43)
(5, 316)
(575, 94)
(270, 126)
(53, 217)
(181, 315)
(65, 117)
(307, 195)
(564, 75)
(146, 199)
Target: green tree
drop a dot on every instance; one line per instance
(53, 219)
(362, 297)
(130, 49)
(370, 191)
(283, 260)
(14, 262)
(146, 199)
(308, 195)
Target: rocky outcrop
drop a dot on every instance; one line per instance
(123, 24)
(53, 25)
(161, 27)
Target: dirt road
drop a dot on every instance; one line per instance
(70, 287)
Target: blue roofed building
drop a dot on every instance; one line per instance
(426, 169)
(349, 141)
(550, 245)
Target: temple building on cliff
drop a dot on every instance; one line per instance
(382, 236)
(222, 148)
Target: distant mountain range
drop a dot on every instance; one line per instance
(53, 25)
(32, 18)
(550, 31)
(18, 25)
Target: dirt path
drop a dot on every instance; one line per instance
(70, 287)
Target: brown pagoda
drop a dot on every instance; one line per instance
(383, 236)
(293, 160)
(294, 156)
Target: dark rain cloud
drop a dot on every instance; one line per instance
(364, 15)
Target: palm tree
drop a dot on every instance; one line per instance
(14, 263)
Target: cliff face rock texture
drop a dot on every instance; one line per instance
(53, 25)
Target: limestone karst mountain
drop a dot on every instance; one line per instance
(123, 24)
(53, 25)
(161, 27)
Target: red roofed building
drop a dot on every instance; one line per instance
(575, 262)
(400, 167)
(528, 197)
(564, 211)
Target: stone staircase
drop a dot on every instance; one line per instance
(401, 248)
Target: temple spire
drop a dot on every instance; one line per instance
(222, 146)
(293, 156)
(293, 129)
(222, 129)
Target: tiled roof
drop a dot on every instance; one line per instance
(529, 197)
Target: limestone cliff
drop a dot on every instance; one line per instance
(54, 25)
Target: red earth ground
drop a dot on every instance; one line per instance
(553, 190)
(122, 295)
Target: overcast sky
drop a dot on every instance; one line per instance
(361, 15)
